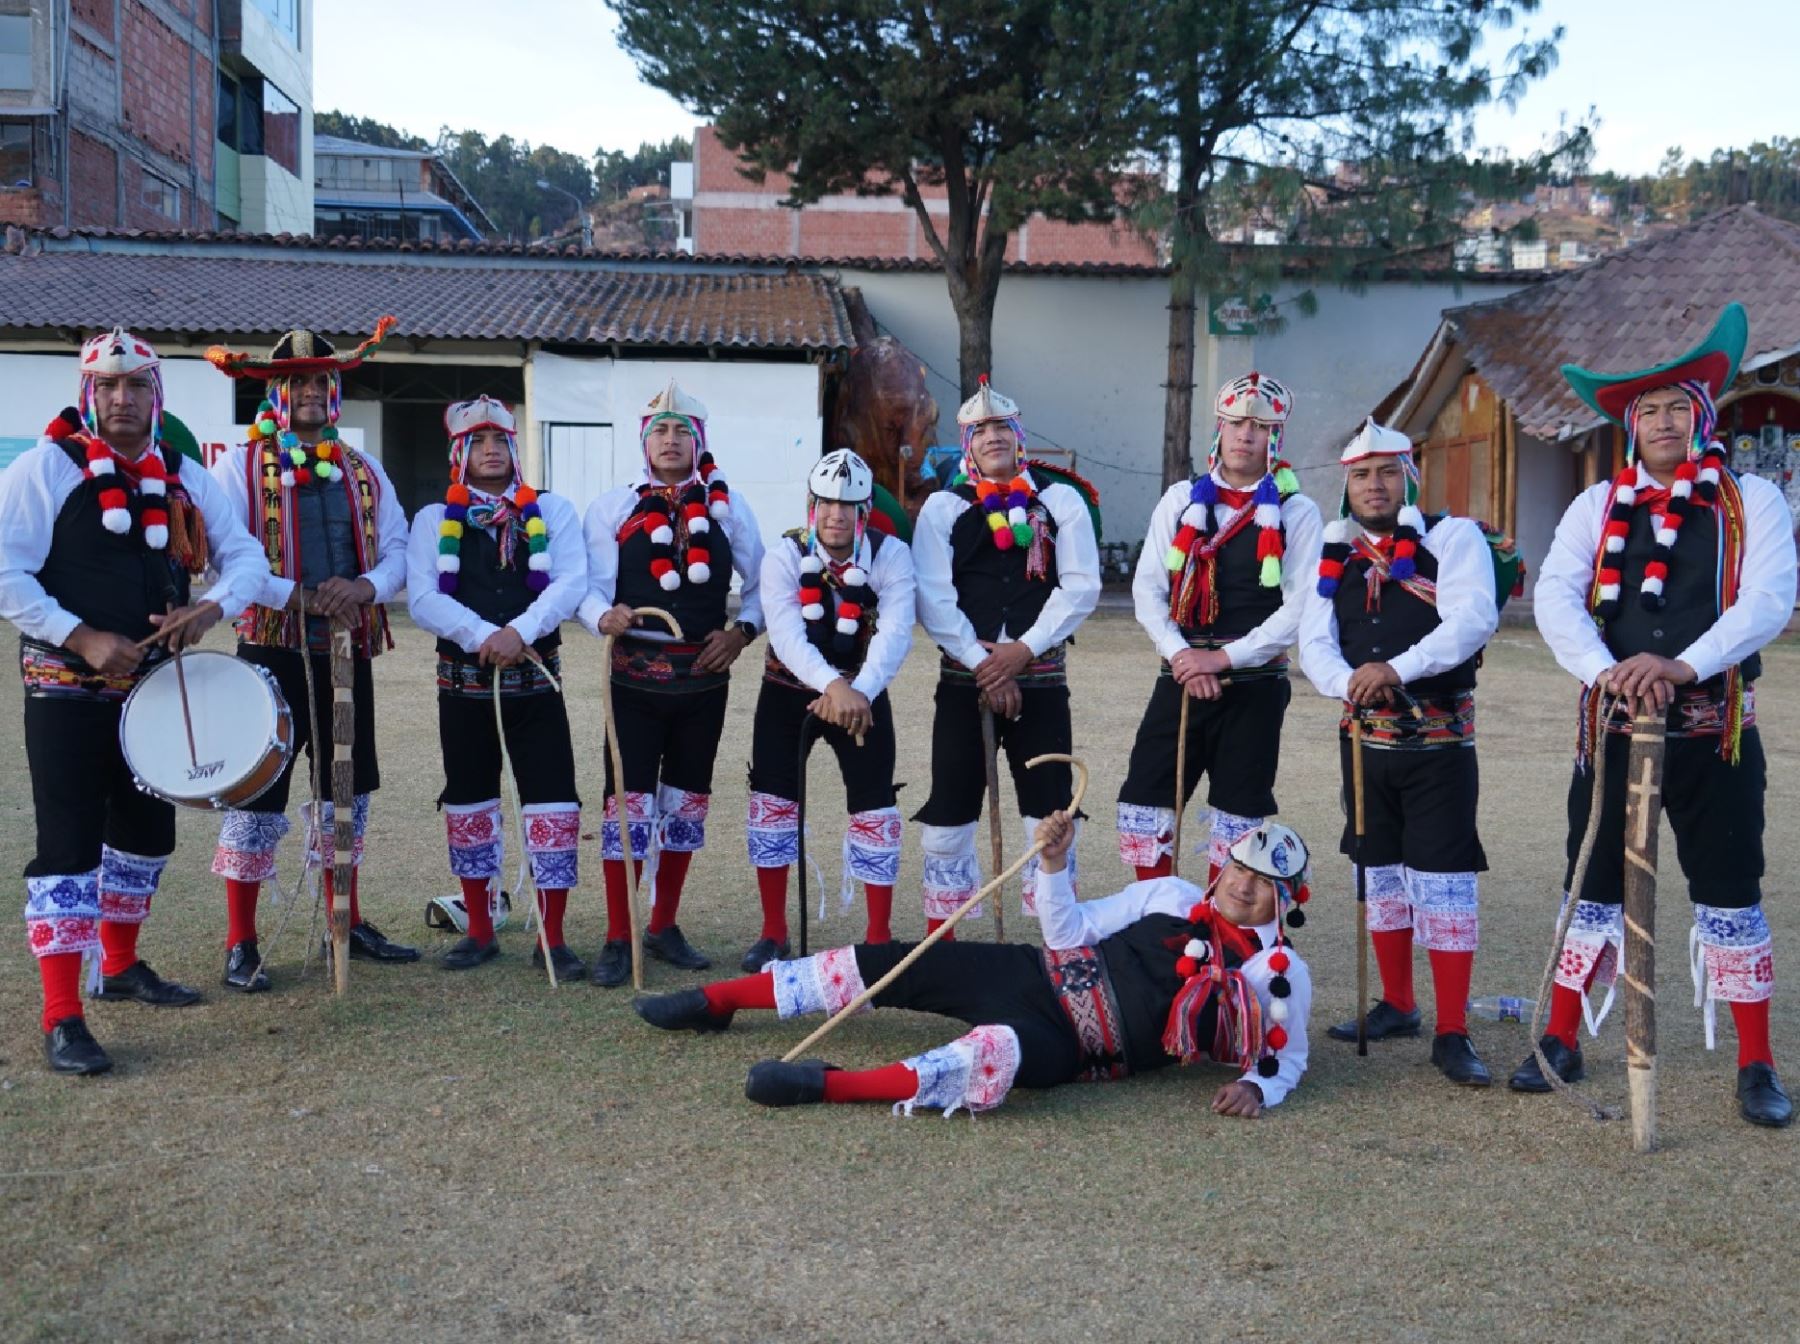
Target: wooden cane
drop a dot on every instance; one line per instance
(1362, 887)
(343, 802)
(1180, 779)
(991, 755)
(809, 732)
(619, 799)
(999, 880)
(1643, 816)
(512, 789)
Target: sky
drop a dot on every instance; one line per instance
(551, 72)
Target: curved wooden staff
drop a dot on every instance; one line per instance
(1362, 884)
(999, 880)
(1180, 779)
(990, 750)
(512, 788)
(343, 801)
(1643, 817)
(618, 768)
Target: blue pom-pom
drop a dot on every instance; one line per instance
(1266, 491)
(1328, 587)
(1205, 491)
(1403, 569)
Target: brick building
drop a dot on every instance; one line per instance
(156, 114)
(726, 214)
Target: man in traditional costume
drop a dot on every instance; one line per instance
(1008, 569)
(1162, 973)
(105, 523)
(1219, 588)
(334, 540)
(672, 541)
(1398, 619)
(1660, 589)
(493, 572)
(839, 598)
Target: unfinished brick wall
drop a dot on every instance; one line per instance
(93, 183)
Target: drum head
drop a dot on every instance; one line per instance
(234, 709)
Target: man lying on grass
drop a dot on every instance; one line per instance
(1161, 973)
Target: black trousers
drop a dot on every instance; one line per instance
(782, 720)
(1715, 809)
(1235, 741)
(537, 739)
(1419, 805)
(671, 737)
(82, 792)
(284, 665)
(984, 984)
(959, 767)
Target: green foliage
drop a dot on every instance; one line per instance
(503, 175)
(1768, 173)
(364, 130)
(616, 172)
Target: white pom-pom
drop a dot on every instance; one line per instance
(540, 561)
(1015, 516)
(854, 577)
(698, 525)
(156, 536)
(1681, 489)
(699, 573)
(153, 485)
(812, 611)
(287, 479)
(1194, 515)
(1710, 475)
(116, 520)
(670, 581)
(846, 626)
(1411, 517)
(1615, 544)
(1337, 532)
(721, 509)
(1609, 592)
(100, 466)
(811, 564)
(1278, 1010)
(449, 564)
(1652, 584)
(1626, 494)
(1268, 515)
(1665, 536)
(1195, 948)
(662, 536)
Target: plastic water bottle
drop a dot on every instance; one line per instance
(1502, 1008)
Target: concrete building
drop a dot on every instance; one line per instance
(408, 195)
(156, 114)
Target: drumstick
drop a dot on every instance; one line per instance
(164, 631)
(187, 717)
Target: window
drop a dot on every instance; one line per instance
(15, 51)
(285, 15)
(15, 154)
(162, 197)
(226, 104)
(280, 128)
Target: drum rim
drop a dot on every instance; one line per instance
(273, 738)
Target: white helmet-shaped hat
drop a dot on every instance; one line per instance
(117, 351)
(1276, 852)
(987, 404)
(1255, 396)
(843, 476)
(1374, 440)
(673, 401)
(465, 417)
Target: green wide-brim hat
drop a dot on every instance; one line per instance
(1713, 362)
(179, 437)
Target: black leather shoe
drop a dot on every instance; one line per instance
(568, 965)
(684, 1010)
(468, 954)
(1384, 1020)
(772, 1083)
(612, 967)
(1761, 1097)
(1455, 1057)
(244, 969)
(1528, 1077)
(368, 943)
(69, 1047)
(671, 947)
(762, 952)
(137, 981)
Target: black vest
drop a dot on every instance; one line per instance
(111, 581)
(822, 634)
(496, 595)
(991, 587)
(1141, 960)
(1244, 603)
(1690, 593)
(699, 607)
(327, 526)
(1400, 622)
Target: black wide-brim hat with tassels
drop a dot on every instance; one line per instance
(299, 352)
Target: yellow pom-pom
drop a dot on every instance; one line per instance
(450, 528)
(536, 527)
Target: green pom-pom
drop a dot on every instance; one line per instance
(329, 433)
(449, 545)
(538, 542)
(1022, 533)
(1175, 559)
(1270, 576)
(266, 427)
(297, 456)
(961, 478)
(1285, 480)
(265, 407)
(324, 471)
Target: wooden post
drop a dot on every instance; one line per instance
(1509, 433)
(1643, 815)
(990, 750)
(343, 801)
(1180, 781)
(1362, 883)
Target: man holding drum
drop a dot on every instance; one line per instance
(334, 541)
(104, 524)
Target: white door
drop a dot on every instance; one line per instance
(578, 462)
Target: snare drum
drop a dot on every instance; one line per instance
(243, 731)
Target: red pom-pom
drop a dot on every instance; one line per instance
(1187, 967)
(112, 499)
(1303, 895)
(1687, 471)
(1331, 569)
(1184, 539)
(1198, 914)
(301, 476)
(850, 611)
(693, 509)
(524, 495)
(1656, 569)
(1609, 576)
(1268, 544)
(458, 494)
(1405, 548)
(155, 518)
(1278, 962)
(1277, 1037)
(661, 566)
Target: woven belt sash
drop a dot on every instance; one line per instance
(1085, 991)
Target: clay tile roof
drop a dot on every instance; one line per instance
(220, 289)
(1632, 309)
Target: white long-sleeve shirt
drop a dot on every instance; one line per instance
(1467, 614)
(607, 514)
(1073, 600)
(445, 617)
(1068, 923)
(387, 575)
(1299, 575)
(1765, 587)
(890, 575)
(33, 490)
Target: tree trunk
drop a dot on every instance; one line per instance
(1187, 238)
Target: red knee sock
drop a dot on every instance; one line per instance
(933, 925)
(618, 898)
(896, 1082)
(1393, 956)
(1163, 867)
(61, 976)
(671, 872)
(118, 946)
(355, 909)
(1450, 976)
(881, 912)
(1752, 1022)
(475, 901)
(330, 880)
(240, 911)
(552, 902)
(772, 891)
(747, 991)
(1565, 1016)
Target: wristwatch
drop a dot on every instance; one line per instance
(748, 630)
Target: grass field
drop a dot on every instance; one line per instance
(475, 1156)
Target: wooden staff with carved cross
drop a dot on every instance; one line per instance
(991, 754)
(1643, 817)
(343, 802)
